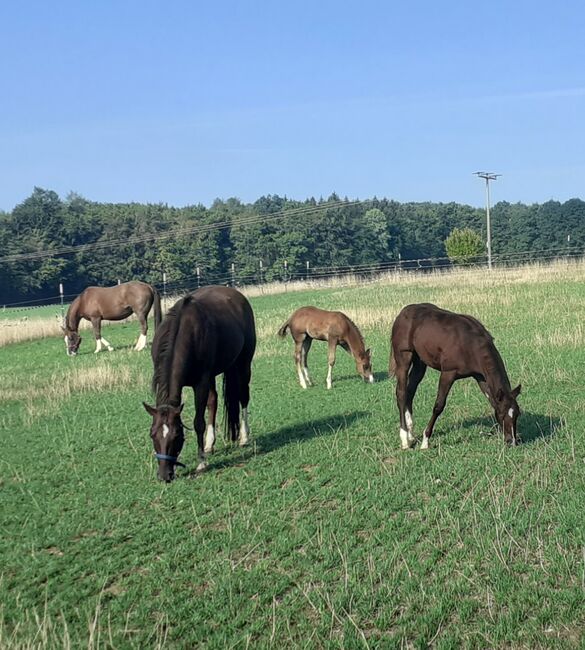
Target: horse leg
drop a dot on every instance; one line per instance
(211, 414)
(304, 354)
(445, 383)
(99, 339)
(244, 375)
(403, 361)
(415, 376)
(298, 358)
(141, 343)
(331, 360)
(201, 397)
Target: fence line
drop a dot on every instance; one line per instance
(365, 272)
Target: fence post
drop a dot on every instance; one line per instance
(62, 305)
(233, 274)
(308, 270)
(261, 272)
(164, 289)
(198, 278)
(119, 281)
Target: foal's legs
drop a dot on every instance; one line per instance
(141, 343)
(97, 331)
(331, 358)
(403, 361)
(201, 397)
(304, 354)
(445, 383)
(298, 359)
(244, 375)
(211, 414)
(415, 376)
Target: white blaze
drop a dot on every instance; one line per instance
(511, 412)
(165, 430)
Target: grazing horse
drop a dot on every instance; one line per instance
(308, 323)
(111, 303)
(206, 333)
(457, 345)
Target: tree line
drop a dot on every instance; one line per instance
(252, 242)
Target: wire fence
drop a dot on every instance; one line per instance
(367, 272)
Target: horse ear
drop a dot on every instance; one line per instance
(149, 409)
(517, 391)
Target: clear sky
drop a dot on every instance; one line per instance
(183, 102)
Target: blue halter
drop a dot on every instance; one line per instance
(173, 459)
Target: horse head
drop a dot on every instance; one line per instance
(507, 412)
(72, 341)
(168, 436)
(363, 364)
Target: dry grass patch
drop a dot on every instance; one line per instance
(44, 395)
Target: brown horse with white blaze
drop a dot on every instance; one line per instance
(111, 303)
(309, 323)
(206, 333)
(458, 346)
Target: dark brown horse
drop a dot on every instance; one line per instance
(206, 333)
(458, 346)
(111, 303)
(308, 323)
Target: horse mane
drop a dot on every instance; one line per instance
(166, 336)
(72, 311)
(478, 324)
(357, 329)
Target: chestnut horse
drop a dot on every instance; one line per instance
(308, 323)
(111, 303)
(206, 333)
(457, 345)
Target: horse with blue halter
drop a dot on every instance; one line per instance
(205, 334)
(458, 346)
(111, 303)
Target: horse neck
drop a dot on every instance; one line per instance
(73, 317)
(355, 340)
(495, 373)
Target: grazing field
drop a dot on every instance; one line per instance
(321, 533)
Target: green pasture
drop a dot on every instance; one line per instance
(322, 533)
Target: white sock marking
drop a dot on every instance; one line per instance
(404, 439)
(371, 379)
(110, 348)
(141, 343)
(329, 373)
(244, 428)
(98, 346)
(209, 438)
(425, 441)
(301, 376)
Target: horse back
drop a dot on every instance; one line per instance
(442, 339)
(320, 324)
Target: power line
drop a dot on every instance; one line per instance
(179, 232)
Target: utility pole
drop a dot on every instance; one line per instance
(488, 176)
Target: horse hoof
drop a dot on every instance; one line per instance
(244, 443)
(201, 467)
(208, 450)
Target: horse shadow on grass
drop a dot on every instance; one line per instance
(265, 444)
(531, 426)
(381, 375)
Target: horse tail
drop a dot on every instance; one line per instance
(392, 365)
(231, 403)
(157, 309)
(282, 330)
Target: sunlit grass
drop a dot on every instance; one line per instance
(322, 533)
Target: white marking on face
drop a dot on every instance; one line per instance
(165, 430)
(511, 412)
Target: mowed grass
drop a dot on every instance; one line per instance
(322, 533)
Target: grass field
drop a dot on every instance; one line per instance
(322, 533)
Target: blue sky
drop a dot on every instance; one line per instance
(183, 102)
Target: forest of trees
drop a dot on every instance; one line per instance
(228, 241)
